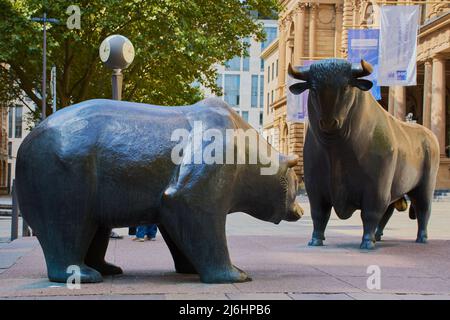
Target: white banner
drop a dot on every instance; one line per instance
(297, 104)
(398, 45)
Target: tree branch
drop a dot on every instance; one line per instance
(25, 84)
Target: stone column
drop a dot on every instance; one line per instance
(299, 40)
(281, 60)
(289, 53)
(426, 113)
(355, 12)
(438, 101)
(391, 99)
(338, 29)
(347, 19)
(312, 29)
(400, 102)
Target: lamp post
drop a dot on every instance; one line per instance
(117, 53)
(44, 20)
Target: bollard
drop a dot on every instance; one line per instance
(14, 214)
(26, 232)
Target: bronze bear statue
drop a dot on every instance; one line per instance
(103, 164)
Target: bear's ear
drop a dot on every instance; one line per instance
(299, 87)
(289, 160)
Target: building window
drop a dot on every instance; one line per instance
(10, 122)
(276, 72)
(261, 91)
(219, 80)
(260, 118)
(246, 64)
(268, 95)
(254, 99)
(245, 115)
(273, 69)
(271, 97)
(233, 64)
(271, 34)
(268, 74)
(18, 122)
(262, 65)
(10, 149)
(232, 89)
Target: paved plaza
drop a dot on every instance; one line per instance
(276, 257)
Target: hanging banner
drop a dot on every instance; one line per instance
(297, 104)
(363, 44)
(398, 45)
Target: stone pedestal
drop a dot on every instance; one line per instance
(443, 176)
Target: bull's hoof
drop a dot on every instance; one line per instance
(367, 245)
(378, 236)
(234, 276)
(315, 242)
(422, 239)
(85, 275)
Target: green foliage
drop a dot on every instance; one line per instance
(177, 42)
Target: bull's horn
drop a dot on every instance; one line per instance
(362, 69)
(300, 73)
(292, 160)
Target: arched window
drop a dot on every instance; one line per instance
(367, 14)
(285, 139)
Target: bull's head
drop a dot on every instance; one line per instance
(332, 88)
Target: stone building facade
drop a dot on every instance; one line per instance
(313, 30)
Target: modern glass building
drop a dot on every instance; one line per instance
(242, 79)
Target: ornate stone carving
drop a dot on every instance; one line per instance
(300, 7)
(339, 7)
(313, 6)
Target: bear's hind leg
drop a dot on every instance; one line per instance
(95, 257)
(182, 264)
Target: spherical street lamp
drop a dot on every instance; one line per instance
(117, 53)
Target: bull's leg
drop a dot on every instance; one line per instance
(422, 208)
(200, 236)
(182, 264)
(421, 199)
(320, 214)
(95, 256)
(384, 220)
(370, 219)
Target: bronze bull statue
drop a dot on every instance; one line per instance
(103, 164)
(358, 156)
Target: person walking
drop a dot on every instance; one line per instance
(147, 232)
